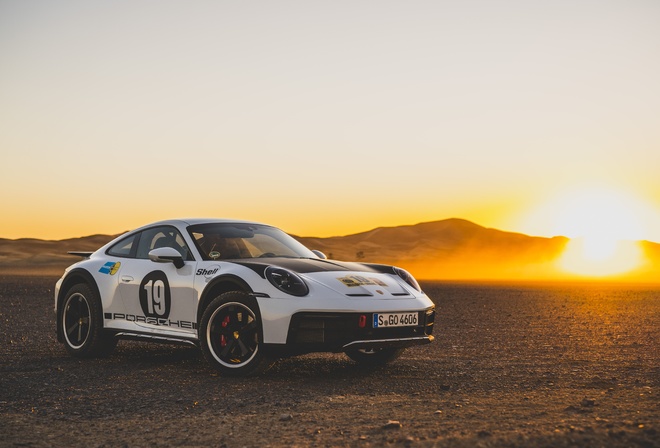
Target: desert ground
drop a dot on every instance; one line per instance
(529, 365)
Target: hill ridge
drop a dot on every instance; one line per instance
(452, 248)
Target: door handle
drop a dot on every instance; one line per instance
(126, 278)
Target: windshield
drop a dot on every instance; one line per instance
(230, 241)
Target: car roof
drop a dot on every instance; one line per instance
(194, 221)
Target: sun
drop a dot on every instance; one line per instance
(600, 258)
(603, 225)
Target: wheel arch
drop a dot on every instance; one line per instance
(74, 277)
(220, 285)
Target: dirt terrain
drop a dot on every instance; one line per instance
(523, 365)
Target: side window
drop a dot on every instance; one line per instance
(123, 248)
(164, 236)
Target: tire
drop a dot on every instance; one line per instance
(374, 357)
(82, 324)
(231, 335)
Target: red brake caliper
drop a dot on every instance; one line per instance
(223, 340)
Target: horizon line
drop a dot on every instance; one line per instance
(114, 235)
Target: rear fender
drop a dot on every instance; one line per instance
(74, 277)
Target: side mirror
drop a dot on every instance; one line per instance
(167, 255)
(320, 254)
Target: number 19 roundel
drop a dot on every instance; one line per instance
(155, 296)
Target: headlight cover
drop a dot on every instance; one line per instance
(287, 281)
(408, 278)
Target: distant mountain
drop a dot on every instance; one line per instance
(650, 271)
(453, 249)
(44, 257)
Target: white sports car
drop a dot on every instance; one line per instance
(246, 293)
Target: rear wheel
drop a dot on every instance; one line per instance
(230, 335)
(374, 357)
(82, 324)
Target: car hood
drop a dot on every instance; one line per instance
(350, 279)
(310, 265)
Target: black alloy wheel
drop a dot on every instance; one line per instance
(76, 320)
(230, 335)
(82, 324)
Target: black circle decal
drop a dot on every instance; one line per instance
(155, 296)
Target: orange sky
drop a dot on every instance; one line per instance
(326, 118)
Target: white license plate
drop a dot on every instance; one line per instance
(395, 320)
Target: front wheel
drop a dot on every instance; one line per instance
(374, 357)
(82, 324)
(230, 335)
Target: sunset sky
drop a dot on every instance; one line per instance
(329, 118)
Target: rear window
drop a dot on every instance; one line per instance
(123, 248)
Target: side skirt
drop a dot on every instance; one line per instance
(126, 335)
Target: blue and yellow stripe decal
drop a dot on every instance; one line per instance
(111, 267)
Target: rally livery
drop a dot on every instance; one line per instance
(245, 293)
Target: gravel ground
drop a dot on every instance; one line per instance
(524, 365)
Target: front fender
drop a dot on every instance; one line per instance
(219, 285)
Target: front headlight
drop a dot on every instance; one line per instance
(287, 281)
(408, 278)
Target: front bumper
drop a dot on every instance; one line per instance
(337, 332)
